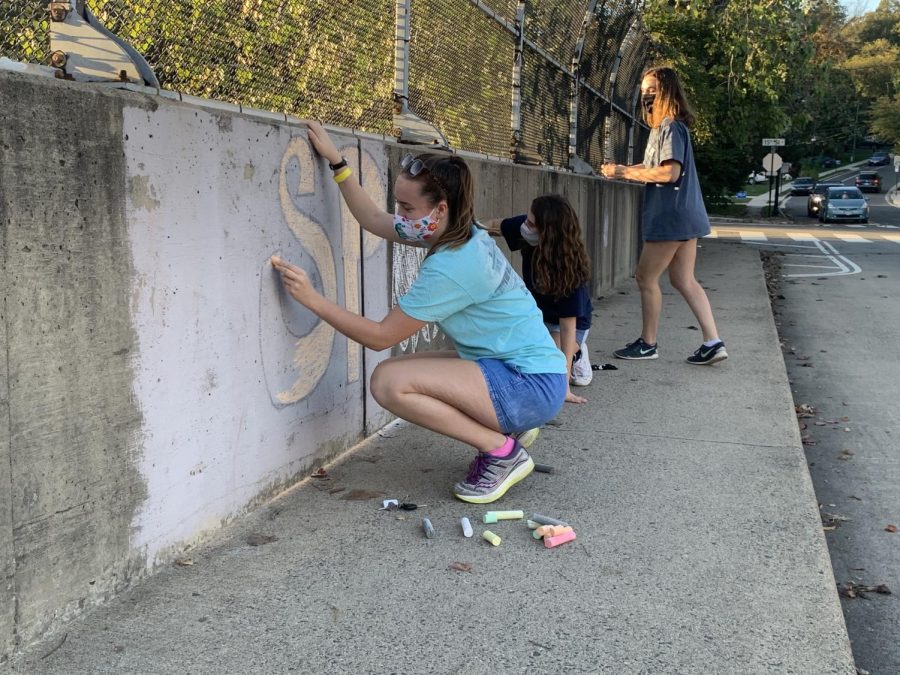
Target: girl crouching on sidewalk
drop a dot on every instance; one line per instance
(506, 374)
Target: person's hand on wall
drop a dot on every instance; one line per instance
(322, 142)
(296, 281)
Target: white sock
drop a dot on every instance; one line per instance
(710, 343)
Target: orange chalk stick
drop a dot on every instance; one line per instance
(551, 531)
(550, 542)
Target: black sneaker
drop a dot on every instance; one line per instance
(637, 350)
(706, 356)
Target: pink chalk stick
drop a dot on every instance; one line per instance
(550, 542)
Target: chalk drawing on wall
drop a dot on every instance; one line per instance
(406, 261)
(297, 348)
(373, 180)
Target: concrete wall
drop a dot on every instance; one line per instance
(156, 383)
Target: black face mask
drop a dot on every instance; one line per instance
(647, 102)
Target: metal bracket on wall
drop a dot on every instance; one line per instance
(84, 50)
(408, 126)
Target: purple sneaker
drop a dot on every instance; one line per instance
(490, 477)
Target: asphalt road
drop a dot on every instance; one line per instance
(838, 332)
(881, 213)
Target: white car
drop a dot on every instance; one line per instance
(763, 177)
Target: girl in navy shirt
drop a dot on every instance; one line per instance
(556, 269)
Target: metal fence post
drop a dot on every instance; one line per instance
(576, 163)
(518, 62)
(401, 56)
(408, 126)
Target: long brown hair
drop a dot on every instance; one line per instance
(671, 101)
(448, 178)
(560, 264)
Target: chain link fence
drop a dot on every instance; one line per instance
(539, 81)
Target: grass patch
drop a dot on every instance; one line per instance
(728, 209)
(758, 189)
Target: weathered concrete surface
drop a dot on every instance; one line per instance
(699, 549)
(7, 554)
(160, 383)
(73, 418)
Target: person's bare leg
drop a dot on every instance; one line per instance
(655, 258)
(681, 274)
(446, 395)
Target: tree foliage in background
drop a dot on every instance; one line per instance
(304, 57)
(24, 25)
(797, 69)
(739, 60)
(874, 63)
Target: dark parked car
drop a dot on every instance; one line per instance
(879, 158)
(844, 203)
(868, 181)
(829, 162)
(802, 186)
(816, 197)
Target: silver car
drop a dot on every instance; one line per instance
(844, 203)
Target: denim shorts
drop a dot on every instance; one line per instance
(580, 334)
(522, 401)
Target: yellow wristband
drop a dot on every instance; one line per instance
(343, 175)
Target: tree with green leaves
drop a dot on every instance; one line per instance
(740, 60)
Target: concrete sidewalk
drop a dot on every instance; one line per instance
(699, 546)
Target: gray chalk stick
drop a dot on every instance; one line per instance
(428, 527)
(546, 520)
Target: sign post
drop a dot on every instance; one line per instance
(772, 163)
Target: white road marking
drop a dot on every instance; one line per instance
(855, 238)
(843, 264)
(752, 235)
(801, 236)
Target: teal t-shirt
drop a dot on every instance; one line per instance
(480, 302)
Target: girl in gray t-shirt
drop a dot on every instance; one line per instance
(673, 218)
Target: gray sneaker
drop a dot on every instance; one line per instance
(490, 477)
(526, 438)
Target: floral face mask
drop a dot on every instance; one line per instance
(417, 230)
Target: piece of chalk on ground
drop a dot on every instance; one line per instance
(550, 542)
(546, 520)
(533, 524)
(466, 527)
(491, 537)
(494, 516)
(428, 527)
(551, 531)
(543, 468)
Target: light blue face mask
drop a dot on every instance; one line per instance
(416, 230)
(530, 235)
